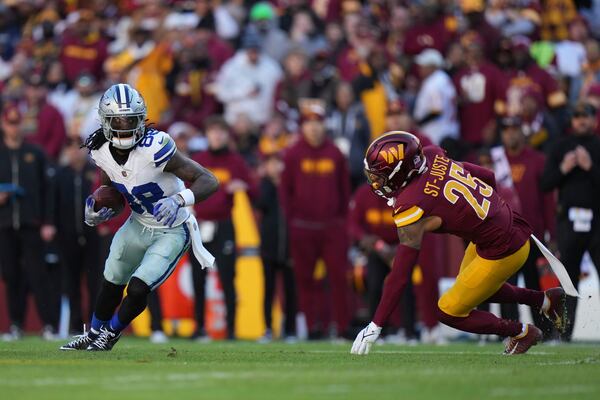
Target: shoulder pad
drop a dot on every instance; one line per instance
(158, 146)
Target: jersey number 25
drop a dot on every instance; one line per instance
(464, 185)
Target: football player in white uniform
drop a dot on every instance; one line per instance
(144, 165)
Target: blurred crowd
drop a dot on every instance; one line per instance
(281, 99)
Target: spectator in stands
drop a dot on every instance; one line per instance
(216, 48)
(314, 192)
(590, 73)
(526, 75)
(556, 16)
(25, 224)
(276, 136)
(572, 168)
(538, 208)
(43, 124)
(149, 60)
(369, 87)
(348, 127)
(226, 26)
(247, 82)
(538, 125)
(188, 84)
(433, 28)
(296, 84)
(481, 93)
(570, 53)
(275, 42)
(400, 21)
(83, 47)
(245, 139)
(398, 118)
(79, 107)
(214, 218)
(274, 250)
(435, 107)
(361, 39)
(58, 87)
(486, 35)
(305, 34)
(513, 18)
(77, 242)
(324, 78)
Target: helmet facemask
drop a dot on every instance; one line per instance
(122, 114)
(123, 131)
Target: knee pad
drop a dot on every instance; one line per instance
(137, 288)
(448, 305)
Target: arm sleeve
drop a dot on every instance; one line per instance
(484, 174)
(404, 261)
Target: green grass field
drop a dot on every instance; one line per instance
(136, 369)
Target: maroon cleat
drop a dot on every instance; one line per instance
(556, 311)
(521, 343)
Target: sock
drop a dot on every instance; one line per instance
(97, 324)
(116, 325)
(482, 322)
(514, 294)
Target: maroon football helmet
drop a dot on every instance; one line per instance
(392, 160)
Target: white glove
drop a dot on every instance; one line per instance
(165, 210)
(93, 218)
(365, 339)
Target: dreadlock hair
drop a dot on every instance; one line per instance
(97, 138)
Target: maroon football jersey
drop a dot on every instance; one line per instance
(467, 203)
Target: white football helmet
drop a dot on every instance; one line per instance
(122, 113)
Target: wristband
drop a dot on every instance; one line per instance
(188, 197)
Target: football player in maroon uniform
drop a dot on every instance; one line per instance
(430, 192)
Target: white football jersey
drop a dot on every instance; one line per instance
(142, 179)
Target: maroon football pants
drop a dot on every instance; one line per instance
(307, 246)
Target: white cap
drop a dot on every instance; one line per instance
(430, 57)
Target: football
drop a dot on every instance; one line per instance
(109, 197)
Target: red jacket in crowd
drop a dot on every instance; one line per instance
(227, 166)
(482, 93)
(315, 184)
(47, 130)
(79, 54)
(537, 207)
